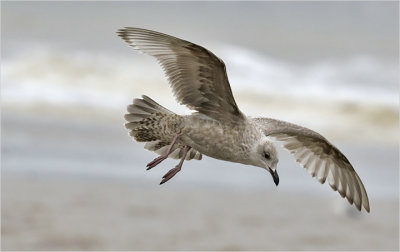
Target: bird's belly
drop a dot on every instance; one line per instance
(216, 141)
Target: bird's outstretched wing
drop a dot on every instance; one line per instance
(319, 157)
(198, 77)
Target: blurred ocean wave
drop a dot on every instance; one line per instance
(356, 91)
(360, 79)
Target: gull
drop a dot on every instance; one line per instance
(217, 128)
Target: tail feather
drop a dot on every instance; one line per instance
(143, 122)
(152, 106)
(132, 117)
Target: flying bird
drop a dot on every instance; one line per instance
(217, 128)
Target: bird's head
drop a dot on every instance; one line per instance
(266, 156)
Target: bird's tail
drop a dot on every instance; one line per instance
(144, 118)
(150, 122)
(144, 108)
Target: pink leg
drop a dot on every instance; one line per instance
(161, 158)
(177, 168)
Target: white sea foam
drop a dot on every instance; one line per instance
(52, 76)
(360, 79)
(288, 91)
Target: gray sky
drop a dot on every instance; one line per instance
(295, 31)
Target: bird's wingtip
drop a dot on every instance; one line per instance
(366, 207)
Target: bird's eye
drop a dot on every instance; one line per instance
(266, 155)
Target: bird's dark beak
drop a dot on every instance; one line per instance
(274, 175)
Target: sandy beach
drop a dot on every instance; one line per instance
(71, 213)
(79, 183)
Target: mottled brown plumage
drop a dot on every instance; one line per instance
(218, 128)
